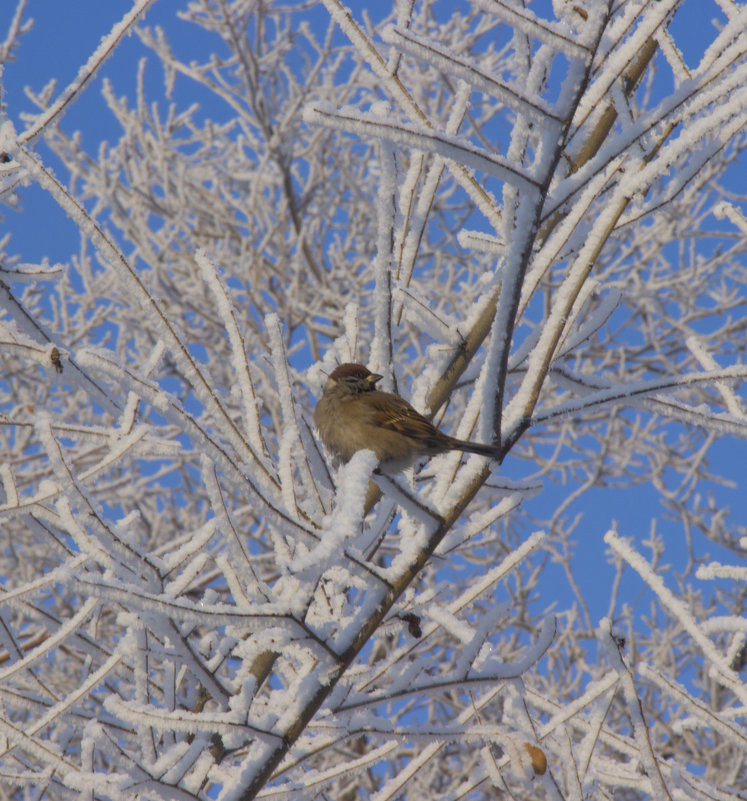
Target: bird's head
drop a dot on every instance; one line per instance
(354, 378)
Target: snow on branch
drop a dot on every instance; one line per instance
(540, 112)
(528, 23)
(87, 71)
(450, 148)
(724, 673)
(656, 781)
(194, 602)
(209, 274)
(630, 393)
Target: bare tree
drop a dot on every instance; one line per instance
(525, 223)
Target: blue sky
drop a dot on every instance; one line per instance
(65, 34)
(63, 37)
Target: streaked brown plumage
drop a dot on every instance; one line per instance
(353, 415)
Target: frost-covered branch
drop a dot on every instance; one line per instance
(529, 225)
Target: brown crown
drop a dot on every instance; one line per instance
(349, 370)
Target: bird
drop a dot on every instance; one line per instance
(352, 415)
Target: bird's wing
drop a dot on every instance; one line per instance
(393, 413)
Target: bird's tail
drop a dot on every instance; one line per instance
(476, 447)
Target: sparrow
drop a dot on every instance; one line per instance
(352, 415)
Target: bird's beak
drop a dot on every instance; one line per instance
(374, 377)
